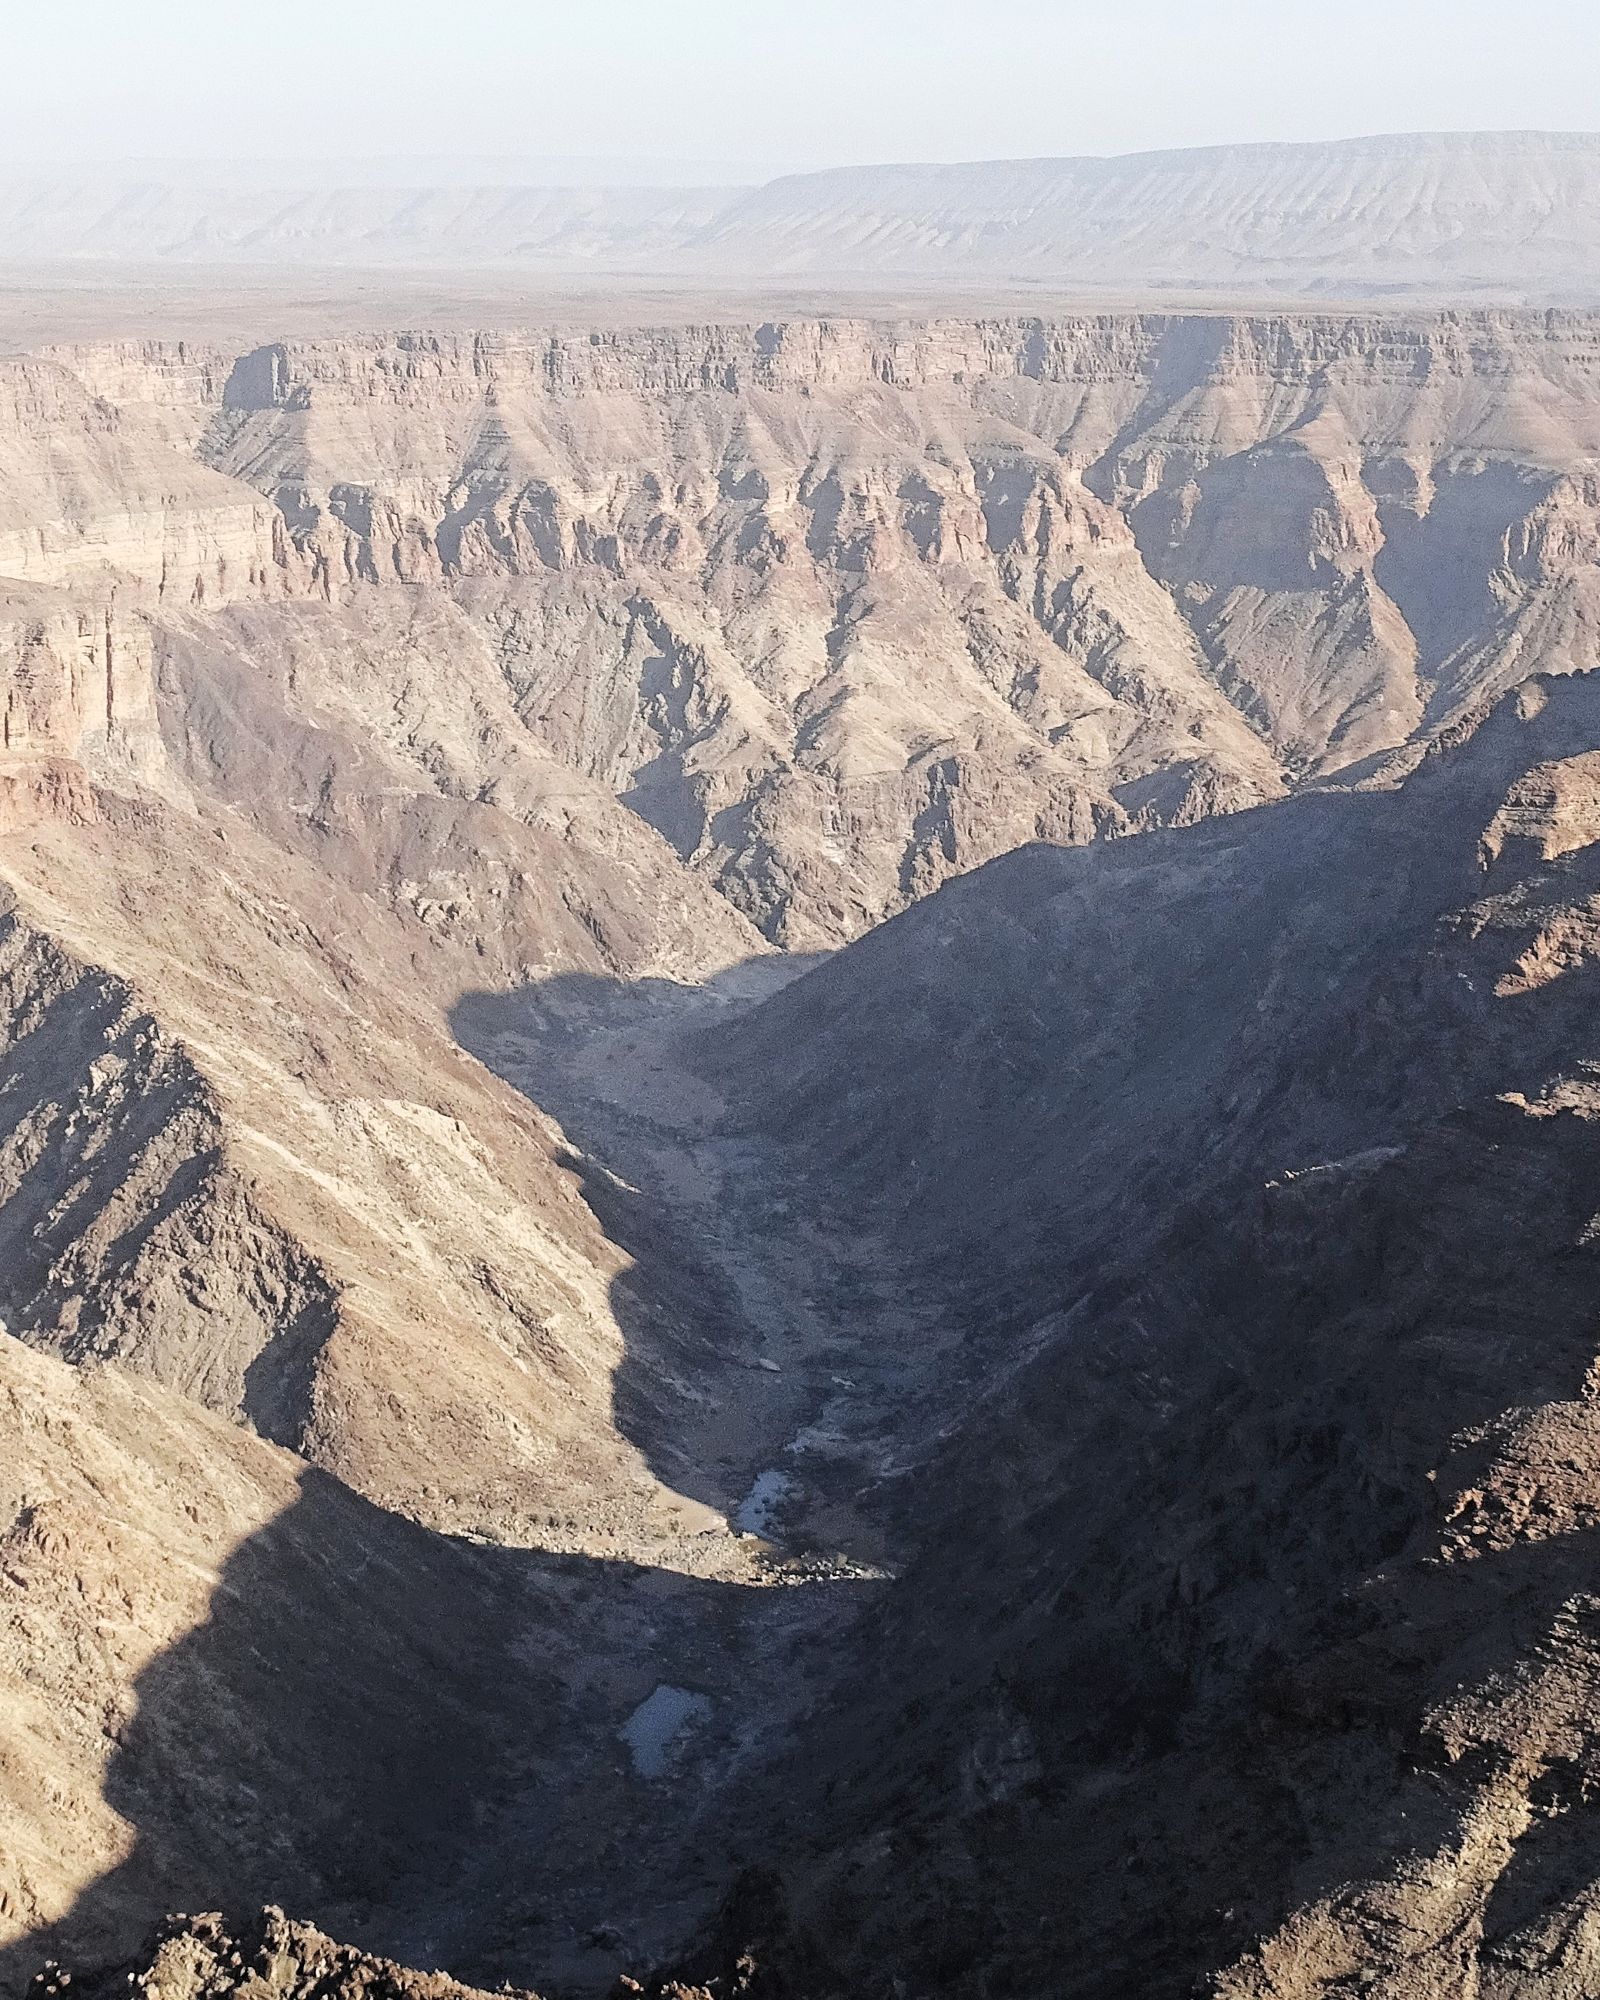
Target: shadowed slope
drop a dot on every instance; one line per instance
(1250, 1621)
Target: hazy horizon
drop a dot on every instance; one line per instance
(452, 170)
(709, 85)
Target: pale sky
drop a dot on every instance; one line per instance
(787, 82)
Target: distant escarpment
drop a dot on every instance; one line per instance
(1501, 215)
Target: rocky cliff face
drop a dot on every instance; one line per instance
(101, 1101)
(78, 681)
(841, 609)
(89, 487)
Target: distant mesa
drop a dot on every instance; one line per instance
(1513, 216)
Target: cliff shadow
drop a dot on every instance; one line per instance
(415, 1742)
(739, 1320)
(1181, 1655)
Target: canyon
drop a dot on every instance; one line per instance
(795, 1159)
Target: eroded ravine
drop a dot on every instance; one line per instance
(819, 1380)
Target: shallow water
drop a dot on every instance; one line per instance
(655, 1731)
(762, 1502)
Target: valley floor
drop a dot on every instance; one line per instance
(784, 1444)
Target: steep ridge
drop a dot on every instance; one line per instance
(467, 1292)
(1248, 1650)
(124, 1233)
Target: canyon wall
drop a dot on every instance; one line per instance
(843, 608)
(1247, 1649)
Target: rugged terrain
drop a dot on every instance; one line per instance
(803, 1097)
(838, 608)
(1264, 1535)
